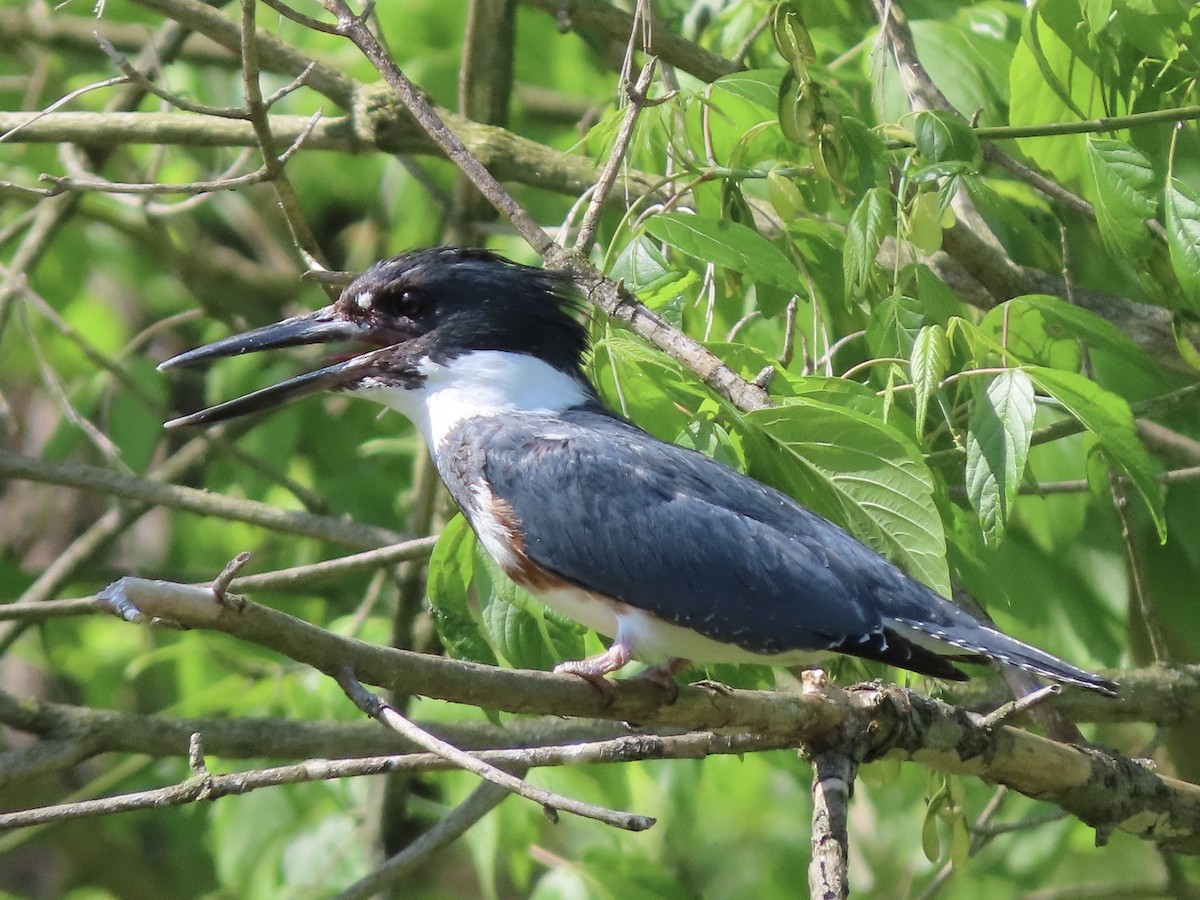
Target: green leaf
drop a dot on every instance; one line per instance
(791, 37)
(998, 438)
(859, 472)
(784, 195)
(523, 631)
(869, 225)
(870, 161)
(925, 223)
(939, 302)
(1035, 322)
(1183, 238)
(759, 87)
(727, 244)
(643, 384)
(1053, 81)
(927, 366)
(1122, 179)
(797, 107)
(705, 434)
(960, 841)
(943, 136)
(931, 844)
(1107, 416)
(451, 568)
(894, 325)
(646, 273)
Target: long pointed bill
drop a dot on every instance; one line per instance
(320, 327)
(276, 395)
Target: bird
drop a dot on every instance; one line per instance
(671, 554)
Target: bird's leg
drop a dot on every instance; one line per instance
(594, 668)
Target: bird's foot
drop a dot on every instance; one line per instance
(594, 668)
(718, 688)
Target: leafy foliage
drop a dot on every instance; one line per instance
(959, 366)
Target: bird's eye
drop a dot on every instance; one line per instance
(410, 304)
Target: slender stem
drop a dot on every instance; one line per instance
(604, 184)
(13, 465)
(1091, 126)
(550, 801)
(1066, 427)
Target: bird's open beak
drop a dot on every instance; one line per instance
(320, 327)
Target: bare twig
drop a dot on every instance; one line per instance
(550, 802)
(65, 184)
(9, 133)
(134, 76)
(1006, 711)
(1081, 485)
(13, 465)
(743, 50)
(297, 576)
(608, 177)
(284, 580)
(38, 611)
(1138, 586)
(1068, 426)
(302, 235)
(206, 786)
(299, 18)
(273, 54)
(220, 584)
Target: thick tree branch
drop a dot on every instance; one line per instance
(828, 866)
(1156, 695)
(603, 19)
(835, 758)
(1103, 789)
(112, 731)
(377, 127)
(78, 35)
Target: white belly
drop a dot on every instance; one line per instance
(652, 640)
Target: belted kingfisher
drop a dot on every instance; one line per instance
(671, 554)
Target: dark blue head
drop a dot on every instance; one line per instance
(430, 304)
(453, 300)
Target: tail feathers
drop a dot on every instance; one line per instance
(888, 646)
(987, 642)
